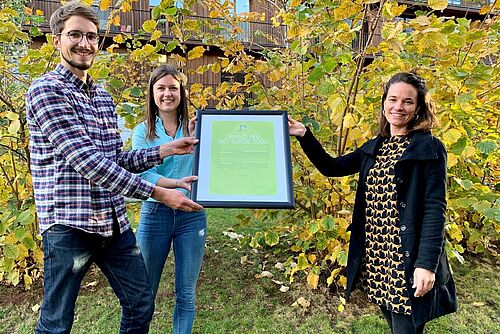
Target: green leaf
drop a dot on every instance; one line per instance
(136, 92)
(117, 84)
(271, 238)
(465, 202)
(466, 184)
(316, 74)
(328, 223)
(342, 258)
(313, 228)
(302, 262)
(458, 147)
(487, 146)
(172, 45)
(155, 13)
(311, 121)
(29, 242)
(10, 251)
(170, 11)
(492, 213)
(20, 233)
(25, 217)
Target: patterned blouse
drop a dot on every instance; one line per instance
(382, 274)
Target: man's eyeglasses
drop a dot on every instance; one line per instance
(76, 36)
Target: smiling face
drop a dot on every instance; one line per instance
(77, 57)
(167, 94)
(400, 106)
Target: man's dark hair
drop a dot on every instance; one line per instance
(73, 8)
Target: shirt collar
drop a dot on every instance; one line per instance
(71, 77)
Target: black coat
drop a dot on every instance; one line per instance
(420, 176)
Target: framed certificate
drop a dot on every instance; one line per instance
(243, 159)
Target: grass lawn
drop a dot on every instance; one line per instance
(230, 299)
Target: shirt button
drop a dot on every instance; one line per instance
(403, 228)
(403, 204)
(407, 254)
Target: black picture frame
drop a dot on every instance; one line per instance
(243, 159)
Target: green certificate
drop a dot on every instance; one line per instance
(243, 154)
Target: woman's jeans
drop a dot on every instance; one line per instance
(68, 254)
(401, 323)
(159, 228)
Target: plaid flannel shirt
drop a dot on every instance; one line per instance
(79, 170)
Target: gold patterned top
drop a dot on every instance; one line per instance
(382, 274)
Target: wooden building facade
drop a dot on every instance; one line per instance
(131, 22)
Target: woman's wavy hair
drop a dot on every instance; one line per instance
(152, 108)
(425, 117)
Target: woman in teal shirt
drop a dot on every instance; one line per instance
(160, 226)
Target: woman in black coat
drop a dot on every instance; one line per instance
(396, 250)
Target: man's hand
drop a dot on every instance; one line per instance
(179, 146)
(175, 199)
(423, 281)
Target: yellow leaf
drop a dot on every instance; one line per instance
(275, 75)
(342, 281)
(196, 88)
(88, 2)
(437, 4)
(111, 48)
(126, 7)
(27, 280)
(311, 258)
(116, 21)
(224, 62)
(196, 52)
(119, 39)
(469, 151)
(149, 26)
(104, 5)
(421, 20)
(261, 66)
(156, 35)
(298, 31)
(452, 136)
(452, 160)
(312, 280)
(28, 10)
(349, 121)
(14, 127)
(216, 68)
(295, 3)
(332, 276)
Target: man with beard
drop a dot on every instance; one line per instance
(80, 175)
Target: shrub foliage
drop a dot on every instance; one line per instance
(329, 76)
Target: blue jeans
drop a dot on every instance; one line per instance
(159, 228)
(401, 323)
(68, 254)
